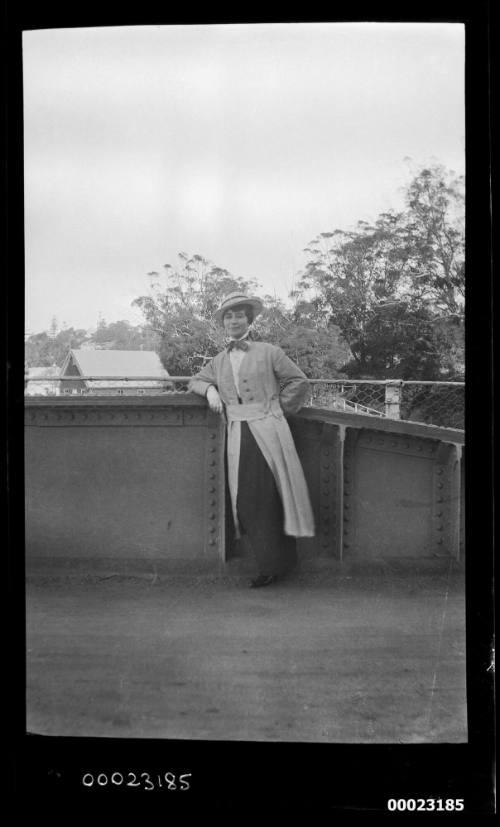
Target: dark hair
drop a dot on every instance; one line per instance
(249, 311)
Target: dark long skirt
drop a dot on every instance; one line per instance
(260, 511)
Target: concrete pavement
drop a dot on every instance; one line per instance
(323, 657)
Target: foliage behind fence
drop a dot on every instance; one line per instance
(433, 403)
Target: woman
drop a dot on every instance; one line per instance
(256, 385)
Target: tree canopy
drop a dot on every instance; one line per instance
(382, 299)
(395, 288)
(181, 304)
(179, 308)
(51, 347)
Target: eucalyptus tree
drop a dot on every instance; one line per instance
(179, 307)
(394, 287)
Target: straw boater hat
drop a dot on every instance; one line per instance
(235, 299)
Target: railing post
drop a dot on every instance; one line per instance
(393, 400)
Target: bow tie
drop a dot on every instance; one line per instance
(237, 344)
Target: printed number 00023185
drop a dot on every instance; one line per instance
(448, 805)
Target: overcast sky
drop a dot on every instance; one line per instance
(237, 142)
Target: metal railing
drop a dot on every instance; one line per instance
(432, 403)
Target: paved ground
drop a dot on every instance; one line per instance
(323, 657)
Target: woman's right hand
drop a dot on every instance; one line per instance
(214, 400)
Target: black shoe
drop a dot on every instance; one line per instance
(262, 580)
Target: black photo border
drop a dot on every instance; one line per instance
(249, 777)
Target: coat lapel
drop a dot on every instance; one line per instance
(226, 371)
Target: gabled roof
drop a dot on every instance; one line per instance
(134, 364)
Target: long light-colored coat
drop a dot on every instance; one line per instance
(271, 386)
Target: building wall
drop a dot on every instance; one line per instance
(77, 386)
(48, 388)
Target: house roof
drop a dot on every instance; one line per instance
(134, 364)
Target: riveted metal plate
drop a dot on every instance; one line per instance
(109, 417)
(214, 497)
(348, 522)
(306, 429)
(446, 502)
(397, 443)
(195, 416)
(329, 530)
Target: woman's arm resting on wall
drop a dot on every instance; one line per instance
(294, 383)
(201, 382)
(204, 384)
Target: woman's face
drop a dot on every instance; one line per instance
(235, 323)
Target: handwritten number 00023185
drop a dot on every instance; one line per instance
(146, 780)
